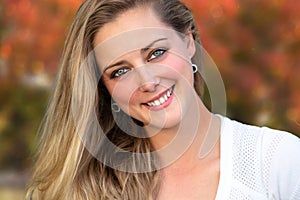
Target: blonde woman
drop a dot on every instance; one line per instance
(126, 119)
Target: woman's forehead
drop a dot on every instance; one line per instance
(116, 46)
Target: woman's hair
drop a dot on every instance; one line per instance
(64, 168)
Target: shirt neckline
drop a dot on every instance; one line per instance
(225, 158)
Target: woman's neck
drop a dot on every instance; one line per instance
(188, 142)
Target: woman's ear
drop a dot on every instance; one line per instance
(190, 44)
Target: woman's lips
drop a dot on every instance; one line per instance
(162, 100)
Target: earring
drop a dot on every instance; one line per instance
(195, 68)
(115, 107)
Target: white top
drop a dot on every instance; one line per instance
(258, 163)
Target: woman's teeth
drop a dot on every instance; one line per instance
(162, 99)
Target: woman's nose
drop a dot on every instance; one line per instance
(147, 80)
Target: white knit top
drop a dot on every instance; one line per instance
(258, 163)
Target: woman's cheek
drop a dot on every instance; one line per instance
(179, 65)
(121, 93)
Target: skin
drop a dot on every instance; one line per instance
(146, 75)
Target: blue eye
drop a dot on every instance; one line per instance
(156, 54)
(119, 72)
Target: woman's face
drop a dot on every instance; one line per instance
(146, 67)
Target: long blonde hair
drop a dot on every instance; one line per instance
(64, 168)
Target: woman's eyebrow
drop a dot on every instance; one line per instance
(151, 44)
(143, 50)
(122, 62)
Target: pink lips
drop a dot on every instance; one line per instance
(163, 105)
(161, 100)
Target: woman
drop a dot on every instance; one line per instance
(126, 120)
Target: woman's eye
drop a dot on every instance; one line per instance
(119, 72)
(156, 54)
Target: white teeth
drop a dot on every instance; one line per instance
(156, 102)
(166, 97)
(162, 99)
(168, 93)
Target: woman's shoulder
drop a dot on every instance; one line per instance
(273, 155)
(267, 137)
(282, 159)
(270, 143)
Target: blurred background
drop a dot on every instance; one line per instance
(255, 43)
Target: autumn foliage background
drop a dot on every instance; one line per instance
(255, 43)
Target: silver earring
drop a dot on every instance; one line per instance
(195, 68)
(115, 107)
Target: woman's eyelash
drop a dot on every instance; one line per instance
(119, 72)
(156, 54)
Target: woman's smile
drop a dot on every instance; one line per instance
(162, 100)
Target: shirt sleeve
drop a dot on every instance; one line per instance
(284, 180)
